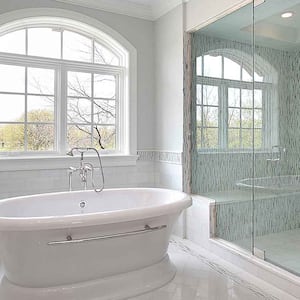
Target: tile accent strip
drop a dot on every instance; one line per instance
(160, 156)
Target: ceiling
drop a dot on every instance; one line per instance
(145, 9)
(270, 29)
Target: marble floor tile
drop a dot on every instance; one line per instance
(200, 276)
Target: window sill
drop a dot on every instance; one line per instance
(62, 162)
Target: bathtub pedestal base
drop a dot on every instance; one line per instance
(121, 286)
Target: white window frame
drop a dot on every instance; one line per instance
(127, 73)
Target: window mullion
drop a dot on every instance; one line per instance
(25, 116)
(61, 84)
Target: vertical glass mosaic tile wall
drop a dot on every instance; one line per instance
(246, 127)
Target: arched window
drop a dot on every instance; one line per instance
(227, 110)
(62, 84)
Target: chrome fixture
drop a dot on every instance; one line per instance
(84, 168)
(276, 153)
(70, 240)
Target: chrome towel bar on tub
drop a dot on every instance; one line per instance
(70, 240)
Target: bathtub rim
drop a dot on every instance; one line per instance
(94, 219)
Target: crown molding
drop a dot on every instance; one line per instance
(126, 7)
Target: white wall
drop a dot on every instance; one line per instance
(168, 32)
(199, 12)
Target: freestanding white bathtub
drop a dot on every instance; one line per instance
(87, 245)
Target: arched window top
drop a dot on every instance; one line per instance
(61, 38)
(233, 64)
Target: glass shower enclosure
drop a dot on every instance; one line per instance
(245, 116)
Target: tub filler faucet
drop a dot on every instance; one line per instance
(85, 168)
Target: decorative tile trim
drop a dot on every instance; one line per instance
(160, 156)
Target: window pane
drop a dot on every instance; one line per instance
(199, 66)
(246, 76)
(44, 42)
(40, 109)
(199, 93)
(199, 116)
(104, 86)
(79, 136)
(199, 139)
(12, 79)
(213, 66)
(258, 138)
(247, 138)
(79, 110)
(103, 56)
(247, 118)
(107, 135)
(247, 98)
(79, 84)
(40, 137)
(210, 95)
(210, 116)
(258, 118)
(233, 97)
(11, 137)
(77, 47)
(258, 78)
(40, 81)
(104, 112)
(234, 117)
(13, 42)
(233, 138)
(257, 98)
(12, 108)
(232, 70)
(210, 137)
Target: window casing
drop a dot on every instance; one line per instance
(228, 116)
(88, 94)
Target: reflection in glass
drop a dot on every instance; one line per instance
(213, 66)
(232, 70)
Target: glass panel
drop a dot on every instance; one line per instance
(40, 81)
(247, 136)
(258, 78)
(210, 116)
(213, 66)
(11, 137)
(77, 47)
(258, 138)
(199, 93)
(12, 79)
(247, 118)
(40, 137)
(210, 95)
(247, 98)
(246, 76)
(12, 108)
(104, 86)
(210, 137)
(104, 56)
(13, 42)
(199, 66)
(79, 84)
(79, 110)
(258, 118)
(40, 109)
(44, 42)
(107, 136)
(104, 112)
(234, 117)
(233, 97)
(198, 138)
(257, 98)
(234, 138)
(199, 116)
(232, 70)
(79, 136)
